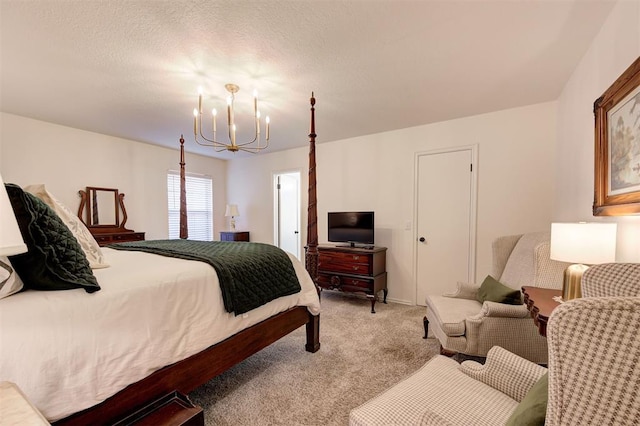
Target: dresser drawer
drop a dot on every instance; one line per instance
(345, 283)
(118, 237)
(102, 239)
(132, 236)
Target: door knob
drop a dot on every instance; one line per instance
(422, 239)
(295, 232)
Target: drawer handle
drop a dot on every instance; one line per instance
(356, 257)
(355, 268)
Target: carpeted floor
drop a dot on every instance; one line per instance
(361, 355)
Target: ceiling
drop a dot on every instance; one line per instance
(131, 69)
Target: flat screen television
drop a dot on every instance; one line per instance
(351, 227)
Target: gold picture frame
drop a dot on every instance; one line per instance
(617, 146)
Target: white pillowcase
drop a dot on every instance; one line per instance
(78, 229)
(10, 282)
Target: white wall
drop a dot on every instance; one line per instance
(67, 160)
(615, 47)
(376, 172)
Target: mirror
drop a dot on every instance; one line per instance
(102, 207)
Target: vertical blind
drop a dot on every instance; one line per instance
(199, 206)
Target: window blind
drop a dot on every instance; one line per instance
(199, 205)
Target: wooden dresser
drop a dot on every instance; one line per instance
(102, 211)
(356, 270)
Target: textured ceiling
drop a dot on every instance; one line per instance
(132, 68)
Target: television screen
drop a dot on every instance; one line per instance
(351, 227)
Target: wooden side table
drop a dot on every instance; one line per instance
(540, 303)
(234, 236)
(16, 409)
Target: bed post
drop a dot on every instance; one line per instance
(311, 249)
(311, 255)
(184, 232)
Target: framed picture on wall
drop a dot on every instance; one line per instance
(617, 146)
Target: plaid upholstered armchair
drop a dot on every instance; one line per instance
(464, 325)
(593, 374)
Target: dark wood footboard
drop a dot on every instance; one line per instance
(186, 375)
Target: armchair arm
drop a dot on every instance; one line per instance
(464, 291)
(506, 372)
(493, 309)
(593, 361)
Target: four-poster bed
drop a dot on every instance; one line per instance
(186, 375)
(266, 324)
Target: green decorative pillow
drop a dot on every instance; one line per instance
(494, 291)
(533, 408)
(55, 260)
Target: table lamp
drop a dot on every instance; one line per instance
(582, 244)
(11, 241)
(232, 210)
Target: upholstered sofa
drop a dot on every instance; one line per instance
(464, 325)
(593, 376)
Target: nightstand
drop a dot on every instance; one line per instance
(234, 236)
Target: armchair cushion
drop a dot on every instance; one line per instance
(493, 290)
(450, 313)
(533, 408)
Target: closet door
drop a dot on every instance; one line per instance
(445, 220)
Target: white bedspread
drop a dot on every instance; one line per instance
(70, 350)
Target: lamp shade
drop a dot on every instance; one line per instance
(232, 210)
(586, 243)
(11, 241)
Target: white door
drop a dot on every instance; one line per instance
(445, 221)
(287, 214)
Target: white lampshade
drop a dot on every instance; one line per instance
(11, 241)
(232, 210)
(586, 243)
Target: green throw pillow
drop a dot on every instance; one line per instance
(494, 291)
(533, 408)
(54, 260)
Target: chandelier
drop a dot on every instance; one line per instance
(252, 146)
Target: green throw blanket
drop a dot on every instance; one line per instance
(250, 274)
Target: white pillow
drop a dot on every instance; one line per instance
(10, 282)
(78, 229)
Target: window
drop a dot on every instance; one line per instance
(199, 205)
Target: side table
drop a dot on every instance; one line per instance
(540, 304)
(234, 236)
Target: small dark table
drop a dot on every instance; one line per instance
(540, 303)
(234, 236)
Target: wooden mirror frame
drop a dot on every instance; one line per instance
(85, 205)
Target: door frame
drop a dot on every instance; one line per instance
(276, 217)
(473, 210)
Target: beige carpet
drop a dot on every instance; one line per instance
(361, 355)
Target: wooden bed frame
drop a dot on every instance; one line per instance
(186, 375)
